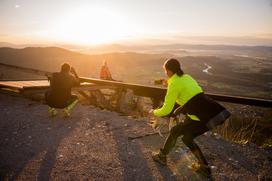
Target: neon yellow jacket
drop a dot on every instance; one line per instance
(180, 90)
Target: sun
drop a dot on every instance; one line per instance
(91, 26)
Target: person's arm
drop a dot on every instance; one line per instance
(76, 79)
(169, 102)
(73, 71)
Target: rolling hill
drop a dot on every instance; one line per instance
(230, 74)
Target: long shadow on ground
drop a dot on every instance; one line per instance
(29, 140)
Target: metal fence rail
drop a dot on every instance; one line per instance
(156, 93)
(159, 93)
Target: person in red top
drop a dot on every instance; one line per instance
(105, 72)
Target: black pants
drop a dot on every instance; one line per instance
(190, 129)
(56, 102)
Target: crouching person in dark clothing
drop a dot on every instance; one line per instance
(59, 94)
(185, 96)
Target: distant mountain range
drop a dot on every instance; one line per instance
(50, 59)
(176, 49)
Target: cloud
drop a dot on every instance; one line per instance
(17, 6)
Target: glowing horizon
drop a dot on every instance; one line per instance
(105, 22)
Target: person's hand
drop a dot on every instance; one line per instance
(157, 124)
(164, 82)
(152, 119)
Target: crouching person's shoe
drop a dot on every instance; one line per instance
(52, 111)
(66, 113)
(159, 157)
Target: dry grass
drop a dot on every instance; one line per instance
(239, 131)
(247, 124)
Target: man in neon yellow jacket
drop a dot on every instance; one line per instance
(201, 112)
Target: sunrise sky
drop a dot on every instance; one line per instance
(92, 22)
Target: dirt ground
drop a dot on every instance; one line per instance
(94, 144)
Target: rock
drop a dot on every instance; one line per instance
(125, 103)
(216, 135)
(208, 133)
(213, 167)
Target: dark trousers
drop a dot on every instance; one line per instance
(56, 102)
(190, 129)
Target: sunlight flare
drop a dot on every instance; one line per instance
(91, 26)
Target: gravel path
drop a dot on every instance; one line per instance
(93, 144)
